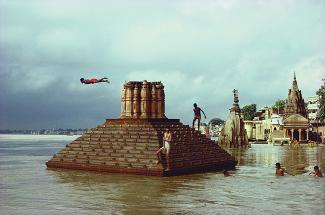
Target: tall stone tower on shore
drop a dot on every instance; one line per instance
(129, 144)
(233, 134)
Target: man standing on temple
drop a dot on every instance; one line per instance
(197, 115)
(165, 148)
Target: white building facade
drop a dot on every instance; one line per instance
(312, 107)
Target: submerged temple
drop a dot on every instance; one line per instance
(129, 144)
(233, 134)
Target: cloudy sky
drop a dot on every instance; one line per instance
(200, 50)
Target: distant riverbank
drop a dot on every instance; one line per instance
(30, 137)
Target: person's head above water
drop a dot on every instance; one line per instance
(195, 105)
(278, 165)
(226, 173)
(316, 168)
(82, 80)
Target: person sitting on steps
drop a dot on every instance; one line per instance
(165, 148)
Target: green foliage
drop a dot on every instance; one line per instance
(321, 94)
(248, 111)
(280, 103)
(216, 121)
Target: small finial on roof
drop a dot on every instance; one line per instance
(294, 75)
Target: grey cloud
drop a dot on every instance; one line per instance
(200, 51)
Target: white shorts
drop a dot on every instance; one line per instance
(167, 146)
(166, 149)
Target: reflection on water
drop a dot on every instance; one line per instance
(27, 187)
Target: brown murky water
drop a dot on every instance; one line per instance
(27, 187)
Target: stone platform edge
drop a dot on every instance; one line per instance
(229, 165)
(121, 121)
(104, 168)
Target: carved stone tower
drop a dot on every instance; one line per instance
(295, 121)
(233, 133)
(144, 100)
(295, 103)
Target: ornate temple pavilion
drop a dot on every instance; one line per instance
(295, 122)
(296, 127)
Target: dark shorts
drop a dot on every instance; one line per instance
(197, 117)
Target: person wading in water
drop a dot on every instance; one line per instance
(317, 172)
(279, 171)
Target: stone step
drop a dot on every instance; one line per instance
(126, 128)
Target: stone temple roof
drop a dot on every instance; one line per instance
(296, 119)
(295, 103)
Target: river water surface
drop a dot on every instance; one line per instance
(28, 187)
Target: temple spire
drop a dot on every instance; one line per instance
(236, 100)
(295, 103)
(235, 106)
(294, 83)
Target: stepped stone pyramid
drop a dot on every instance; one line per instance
(129, 144)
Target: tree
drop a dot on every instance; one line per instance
(321, 94)
(248, 111)
(216, 121)
(280, 103)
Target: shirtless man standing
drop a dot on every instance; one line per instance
(197, 116)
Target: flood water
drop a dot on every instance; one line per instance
(28, 187)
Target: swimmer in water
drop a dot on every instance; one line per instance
(317, 172)
(279, 171)
(226, 173)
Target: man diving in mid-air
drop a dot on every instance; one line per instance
(94, 80)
